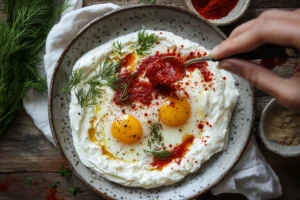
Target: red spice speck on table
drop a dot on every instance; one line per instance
(4, 187)
(52, 194)
(214, 9)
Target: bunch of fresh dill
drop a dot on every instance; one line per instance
(23, 30)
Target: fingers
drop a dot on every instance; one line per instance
(242, 28)
(257, 75)
(279, 14)
(275, 14)
(290, 96)
(272, 32)
(268, 28)
(286, 91)
(244, 42)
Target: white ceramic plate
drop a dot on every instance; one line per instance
(121, 22)
(237, 12)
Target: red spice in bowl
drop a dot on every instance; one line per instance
(214, 9)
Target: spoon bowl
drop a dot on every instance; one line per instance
(166, 70)
(184, 64)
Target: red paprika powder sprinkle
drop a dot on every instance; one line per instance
(214, 9)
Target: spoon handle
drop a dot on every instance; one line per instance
(269, 51)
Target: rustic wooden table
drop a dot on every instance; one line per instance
(25, 151)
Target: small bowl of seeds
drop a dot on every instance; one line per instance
(279, 130)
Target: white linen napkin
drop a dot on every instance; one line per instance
(252, 176)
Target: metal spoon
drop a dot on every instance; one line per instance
(266, 51)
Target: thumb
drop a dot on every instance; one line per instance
(257, 75)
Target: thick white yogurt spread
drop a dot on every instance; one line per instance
(211, 106)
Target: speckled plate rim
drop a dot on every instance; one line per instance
(84, 29)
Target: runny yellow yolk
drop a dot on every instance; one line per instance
(127, 129)
(174, 112)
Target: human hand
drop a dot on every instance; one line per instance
(274, 26)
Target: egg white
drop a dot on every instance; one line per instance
(132, 166)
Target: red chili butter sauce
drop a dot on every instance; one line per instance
(129, 60)
(178, 153)
(161, 74)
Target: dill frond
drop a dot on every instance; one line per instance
(105, 76)
(90, 97)
(74, 190)
(74, 80)
(28, 181)
(82, 97)
(24, 28)
(156, 136)
(108, 73)
(64, 172)
(160, 154)
(54, 184)
(145, 42)
(94, 94)
(124, 92)
(118, 47)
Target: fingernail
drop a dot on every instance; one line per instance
(214, 50)
(224, 65)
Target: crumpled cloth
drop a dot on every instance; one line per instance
(252, 176)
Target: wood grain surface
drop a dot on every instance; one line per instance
(25, 151)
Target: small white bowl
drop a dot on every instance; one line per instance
(234, 14)
(282, 150)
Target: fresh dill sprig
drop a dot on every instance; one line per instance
(74, 190)
(64, 172)
(55, 184)
(124, 92)
(28, 181)
(156, 136)
(90, 97)
(74, 79)
(145, 42)
(160, 154)
(24, 27)
(105, 76)
(108, 72)
(118, 47)
(82, 97)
